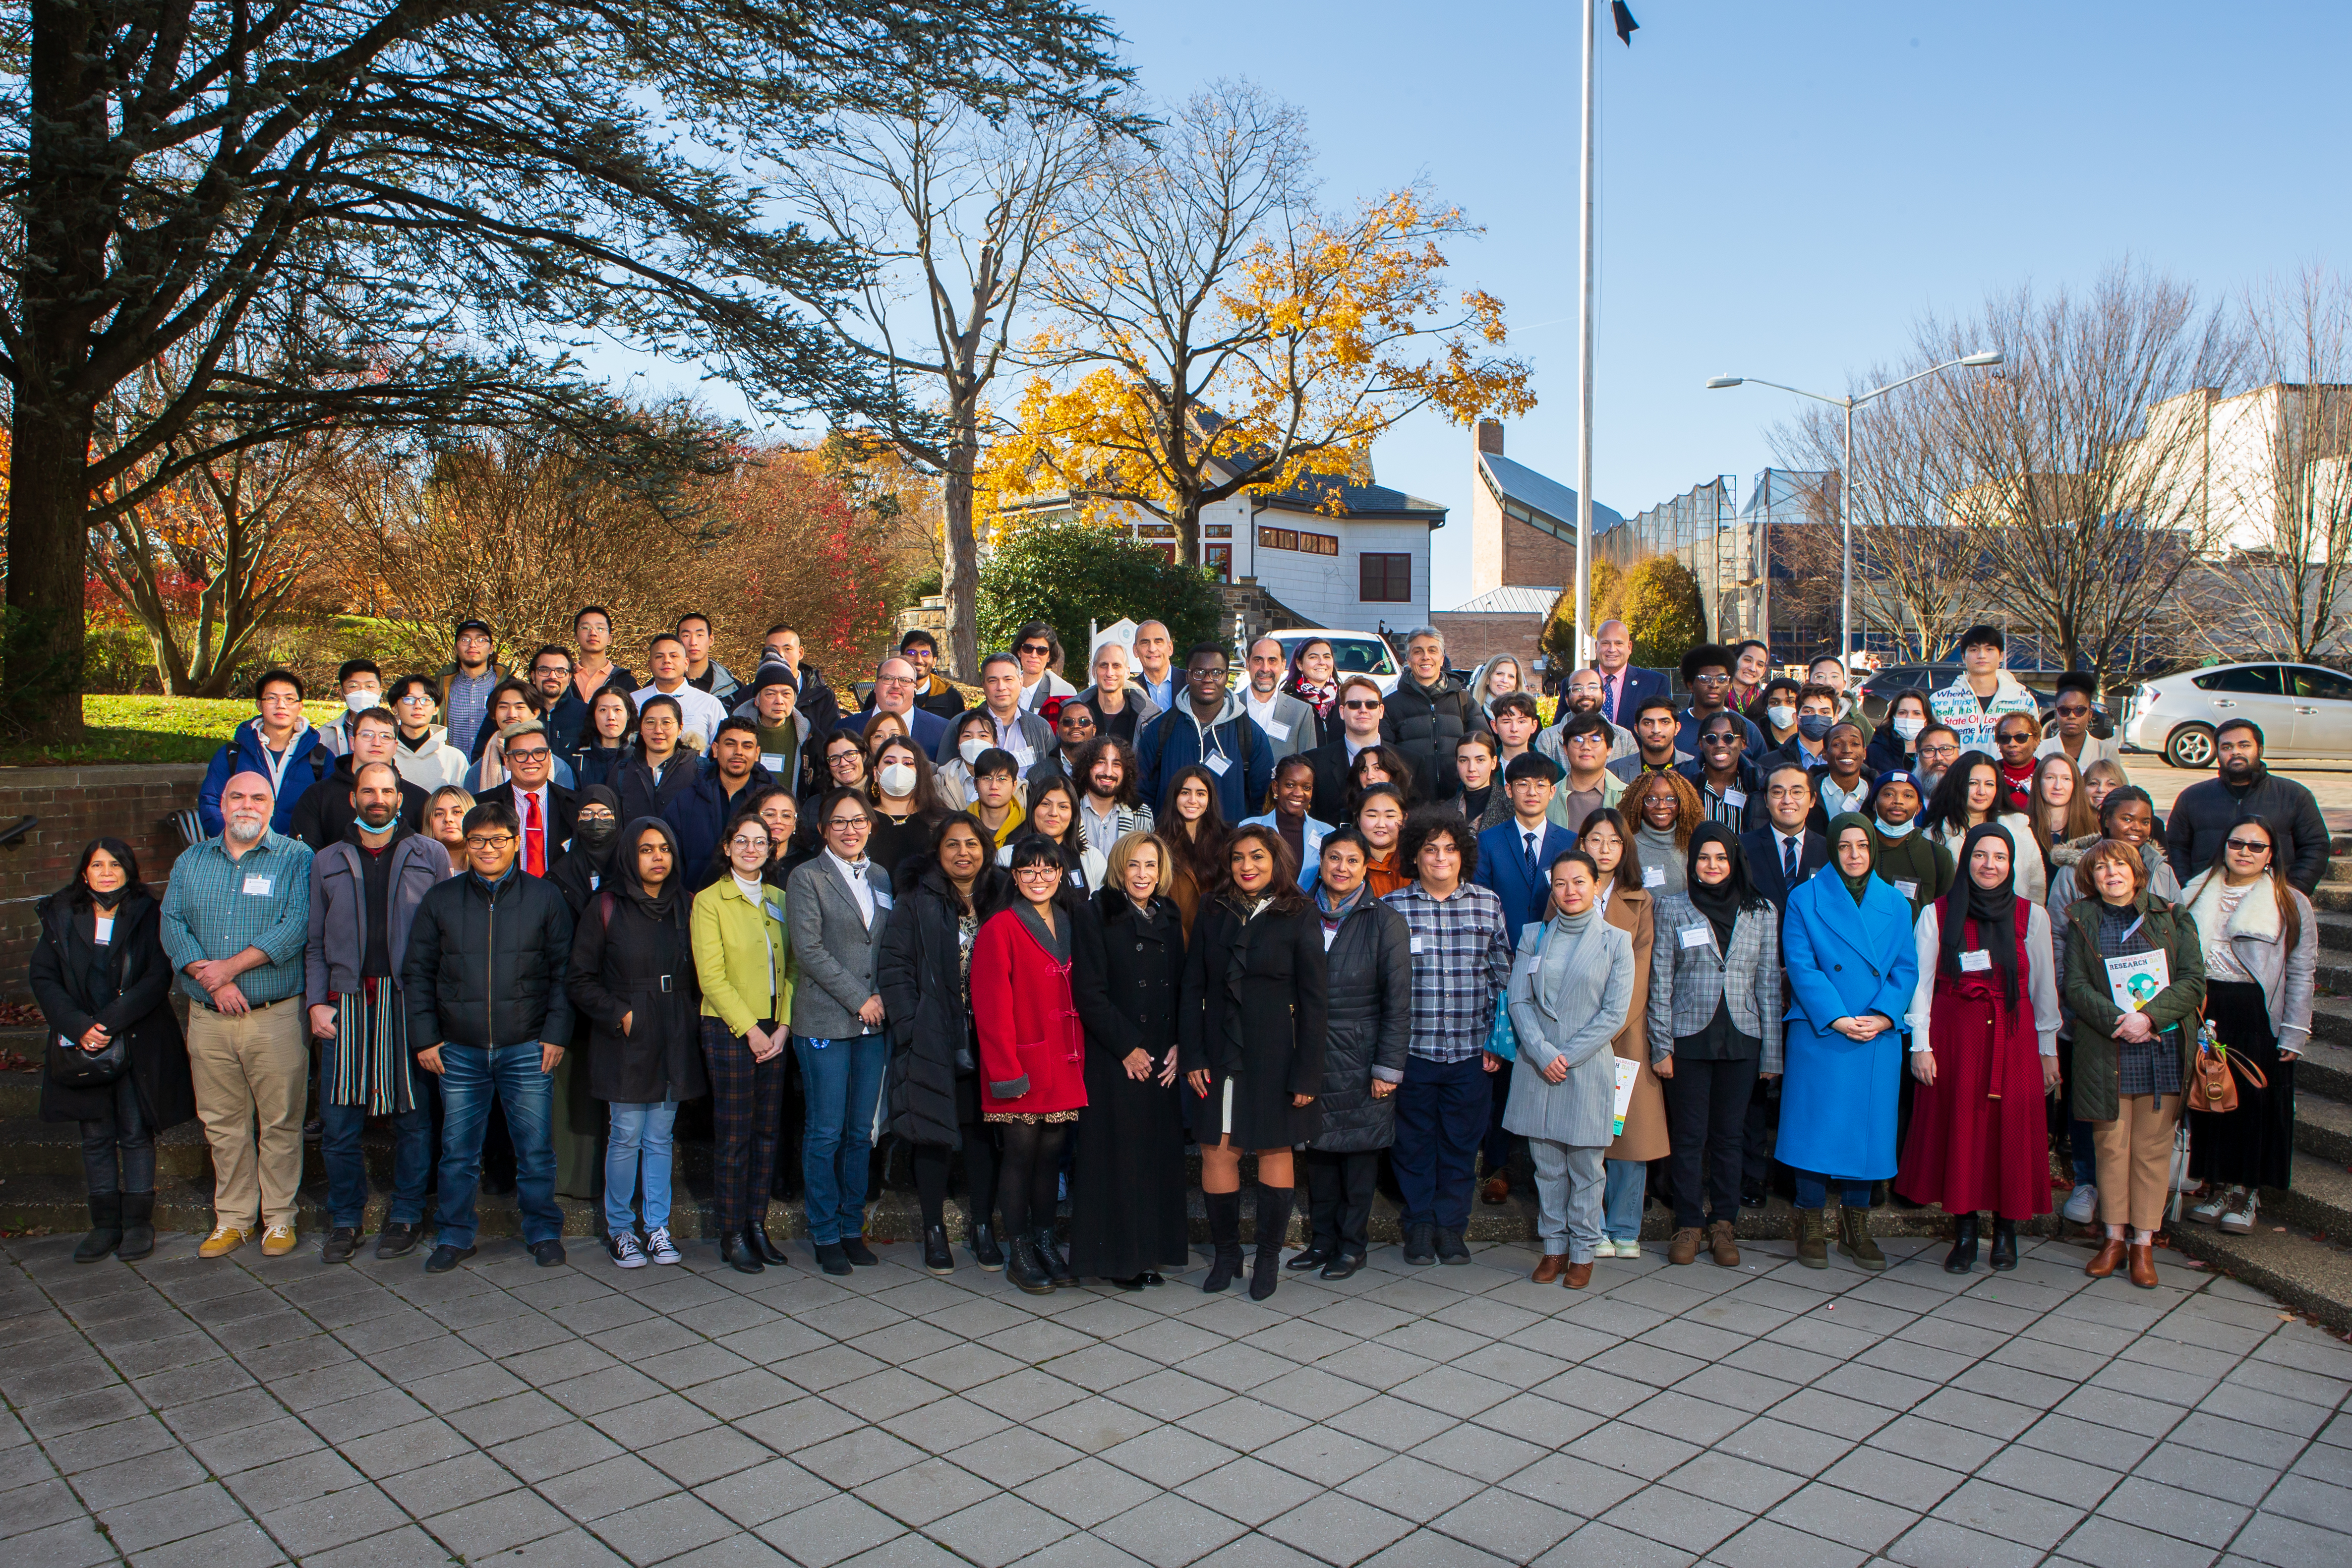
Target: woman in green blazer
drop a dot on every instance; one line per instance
(743, 959)
(2130, 1066)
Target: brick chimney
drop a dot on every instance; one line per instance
(1490, 436)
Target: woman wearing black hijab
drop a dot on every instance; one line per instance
(633, 979)
(1715, 1028)
(577, 1117)
(103, 984)
(1984, 1049)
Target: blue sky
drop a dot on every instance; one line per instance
(1785, 187)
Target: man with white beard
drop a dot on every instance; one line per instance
(235, 919)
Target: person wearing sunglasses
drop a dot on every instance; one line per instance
(1358, 709)
(2073, 724)
(1039, 648)
(1706, 671)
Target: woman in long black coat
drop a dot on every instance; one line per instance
(99, 974)
(632, 975)
(1369, 962)
(1251, 1042)
(922, 973)
(1126, 1199)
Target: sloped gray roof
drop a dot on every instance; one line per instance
(1509, 600)
(1556, 501)
(1355, 500)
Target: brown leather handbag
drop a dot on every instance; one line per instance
(2214, 1074)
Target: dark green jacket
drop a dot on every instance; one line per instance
(2083, 988)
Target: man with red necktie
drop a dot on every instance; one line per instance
(544, 808)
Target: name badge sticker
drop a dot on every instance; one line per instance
(881, 900)
(1275, 731)
(1735, 797)
(1417, 946)
(594, 881)
(1698, 936)
(1907, 887)
(1653, 876)
(1217, 762)
(258, 886)
(1975, 961)
(774, 761)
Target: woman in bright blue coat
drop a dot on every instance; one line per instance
(1852, 964)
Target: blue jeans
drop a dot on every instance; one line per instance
(1442, 1109)
(1627, 1186)
(844, 1084)
(347, 1183)
(471, 1078)
(1813, 1191)
(637, 1147)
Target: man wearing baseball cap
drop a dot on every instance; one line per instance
(465, 684)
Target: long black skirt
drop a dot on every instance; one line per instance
(2253, 1145)
(1127, 1195)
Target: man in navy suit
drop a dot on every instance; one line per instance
(1514, 856)
(1515, 859)
(1780, 854)
(893, 691)
(1623, 682)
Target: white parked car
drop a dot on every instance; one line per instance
(2305, 711)
(1352, 653)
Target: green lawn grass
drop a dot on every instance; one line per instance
(147, 729)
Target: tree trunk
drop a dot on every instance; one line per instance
(959, 584)
(49, 505)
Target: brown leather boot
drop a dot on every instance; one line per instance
(1723, 1244)
(1854, 1240)
(2143, 1264)
(1577, 1276)
(1549, 1268)
(1683, 1248)
(1810, 1228)
(2110, 1254)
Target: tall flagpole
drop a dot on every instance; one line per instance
(1584, 372)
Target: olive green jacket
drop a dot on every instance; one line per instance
(2084, 986)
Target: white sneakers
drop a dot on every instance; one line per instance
(627, 1253)
(2215, 1204)
(658, 1244)
(2082, 1204)
(1629, 1249)
(1604, 1248)
(2244, 1207)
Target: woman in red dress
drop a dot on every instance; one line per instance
(1032, 1055)
(1984, 1047)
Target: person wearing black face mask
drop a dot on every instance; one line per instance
(584, 869)
(1816, 711)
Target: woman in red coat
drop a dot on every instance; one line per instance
(1032, 1055)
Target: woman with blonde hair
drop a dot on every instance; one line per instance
(2061, 808)
(1514, 679)
(2101, 778)
(445, 821)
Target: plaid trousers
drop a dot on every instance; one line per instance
(747, 1103)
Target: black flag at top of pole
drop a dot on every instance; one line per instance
(1623, 17)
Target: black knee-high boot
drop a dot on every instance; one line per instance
(1225, 1236)
(1273, 1229)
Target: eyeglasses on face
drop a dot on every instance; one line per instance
(1360, 704)
(489, 840)
(2077, 711)
(1716, 679)
(535, 753)
(859, 822)
(747, 841)
(1040, 649)
(2247, 846)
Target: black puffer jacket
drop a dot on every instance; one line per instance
(1371, 1024)
(1424, 723)
(2203, 814)
(919, 974)
(134, 1004)
(485, 965)
(627, 963)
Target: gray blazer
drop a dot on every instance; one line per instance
(1685, 982)
(1292, 714)
(338, 941)
(834, 947)
(1569, 997)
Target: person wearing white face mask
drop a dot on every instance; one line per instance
(1896, 744)
(907, 813)
(361, 686)
(973, 733)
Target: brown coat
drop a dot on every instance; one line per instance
(1633, 911)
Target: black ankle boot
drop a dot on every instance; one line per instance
(1024, 1269)
(984, 1250)
(736, 1247)
(2004, 1245)
(1049, 1253)
(1273, 1229)
(105, 1228)
(756, 1235)
(137, 1227)
(1225, 1236)
(938, 1256)
(1963, 1256)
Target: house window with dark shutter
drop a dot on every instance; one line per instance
(1385, 579)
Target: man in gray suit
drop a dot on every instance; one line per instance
(837, 904)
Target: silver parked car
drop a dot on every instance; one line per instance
(2305, 711)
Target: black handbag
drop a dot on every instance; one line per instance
(71, 1067)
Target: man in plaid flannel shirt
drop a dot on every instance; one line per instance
(1461, 960)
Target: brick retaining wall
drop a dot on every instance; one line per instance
(76, 805)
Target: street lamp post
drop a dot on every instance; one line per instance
(1845, 476)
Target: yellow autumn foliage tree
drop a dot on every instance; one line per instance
(1212, 331)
